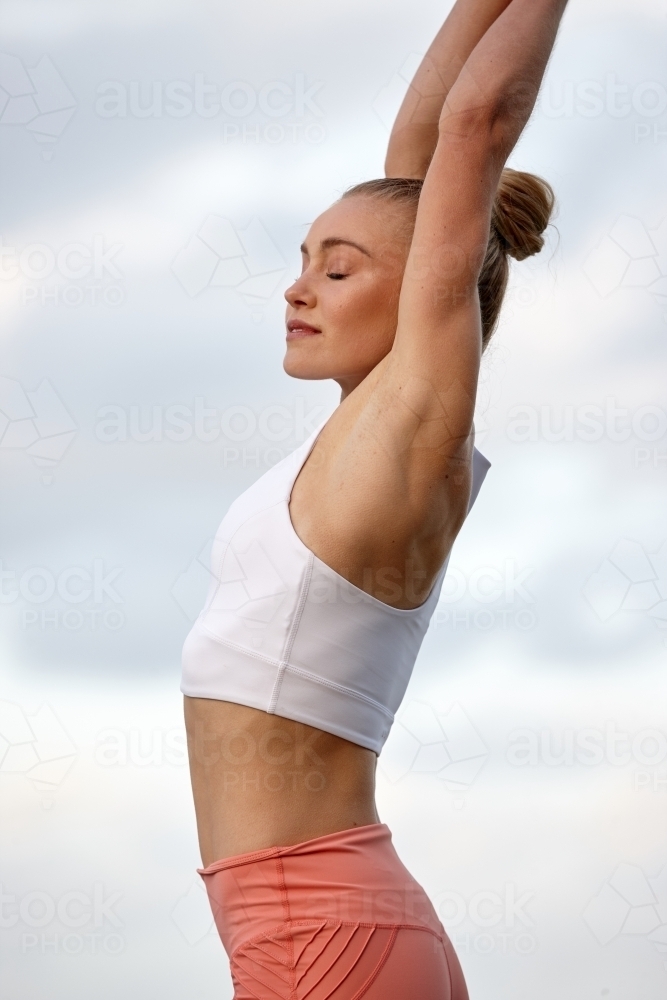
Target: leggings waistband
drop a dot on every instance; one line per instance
(358, 837)
(351, 877)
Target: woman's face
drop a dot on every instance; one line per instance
(342, 309)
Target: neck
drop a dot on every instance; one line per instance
(348, 384)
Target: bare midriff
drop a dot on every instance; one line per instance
(261, 781)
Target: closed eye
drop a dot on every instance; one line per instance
(336, 275)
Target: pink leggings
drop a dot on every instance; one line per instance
(334, 918)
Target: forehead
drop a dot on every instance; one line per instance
(368, 221)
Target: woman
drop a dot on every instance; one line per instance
(327, 570)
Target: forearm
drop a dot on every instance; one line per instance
(415, 132)
(485, 112)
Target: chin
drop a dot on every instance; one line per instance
(301, 368)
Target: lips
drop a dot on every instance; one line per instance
(297, 328)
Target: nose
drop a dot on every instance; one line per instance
(300, 293)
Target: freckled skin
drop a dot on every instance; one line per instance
(246, 796)
(408, 380)
(260, 780)
(351, 297)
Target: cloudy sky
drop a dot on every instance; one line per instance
(161, 162)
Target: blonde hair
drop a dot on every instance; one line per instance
(521, 211)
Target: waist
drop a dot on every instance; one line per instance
(261, 779)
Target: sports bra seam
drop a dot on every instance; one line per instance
(235, 645)
(289, 667)
(291, 635)
(301, 603)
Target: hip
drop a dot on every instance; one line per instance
(337, 916)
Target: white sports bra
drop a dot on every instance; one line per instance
(283, 632)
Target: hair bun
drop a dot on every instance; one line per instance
(521, 212)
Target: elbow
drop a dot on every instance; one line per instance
(494, 121)
(473, 127)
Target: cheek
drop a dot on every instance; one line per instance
(369, 325)
(372, 302)
(381, 306)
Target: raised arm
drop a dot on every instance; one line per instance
(415, 133)
(438, 333)
(421, 404)
(394, 482)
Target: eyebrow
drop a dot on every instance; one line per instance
(335, 241)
